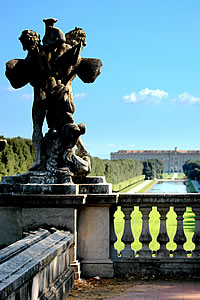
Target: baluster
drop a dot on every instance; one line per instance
(113, 236)
(180, 237)
(145, 237)
(127, 237)
(163, 238)
(196, 236)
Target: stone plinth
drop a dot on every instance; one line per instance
(93, 242)
(33, 183)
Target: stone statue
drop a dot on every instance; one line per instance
(50, 68)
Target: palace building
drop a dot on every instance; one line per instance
(173, 159)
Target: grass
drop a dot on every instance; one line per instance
(191, 187)
(154, 225)
(130, 187)
(146, 187)
(167, 175)
(181, 176)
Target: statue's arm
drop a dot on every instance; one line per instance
(17, 72)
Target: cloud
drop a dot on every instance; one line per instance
(26, 96)
(79, 96)
(186, 98)
(146, 96)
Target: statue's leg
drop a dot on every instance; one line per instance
(38, 115)
(82, 151)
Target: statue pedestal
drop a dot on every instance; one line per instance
(37, 183)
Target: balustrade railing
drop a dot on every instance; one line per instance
(163, 203)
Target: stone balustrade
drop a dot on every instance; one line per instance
(91, 218)
(162, 261)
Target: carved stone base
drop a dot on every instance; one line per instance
(35, 182)
(102, 268)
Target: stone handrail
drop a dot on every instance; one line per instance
(37, 267)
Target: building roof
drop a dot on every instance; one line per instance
(157, 151)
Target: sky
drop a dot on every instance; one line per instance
(147, 96)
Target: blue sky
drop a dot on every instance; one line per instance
(148, 94)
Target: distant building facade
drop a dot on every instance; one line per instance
(172, 159)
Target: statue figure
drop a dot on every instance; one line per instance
(50, 68)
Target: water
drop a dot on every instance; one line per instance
(169, 187)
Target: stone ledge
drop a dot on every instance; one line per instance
(103, 268)
(49, 255)
(163, 266)
(22, 244)
(24, 184)
(45, 201)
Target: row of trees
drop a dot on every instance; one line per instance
(153, 168)
(18, 156)
(116, 171)
(191, 168)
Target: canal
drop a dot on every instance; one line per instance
(169, 187)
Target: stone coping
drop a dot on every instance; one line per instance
(36, 200)
(21, 245)
(26, 262)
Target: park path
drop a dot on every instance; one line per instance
(174, 176)
(162, 290)
(139, 187)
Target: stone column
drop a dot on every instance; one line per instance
(196, 236)
(180, 238)
(127, 237)
(145, 237)
(163, 238)
(113, 236)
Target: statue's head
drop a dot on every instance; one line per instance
(75, 36)
(29, 39)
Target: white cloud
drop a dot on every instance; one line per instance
(78, 96)
(186, 98)
(146, 96)
(26, 96)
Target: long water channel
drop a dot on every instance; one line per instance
(169, 187)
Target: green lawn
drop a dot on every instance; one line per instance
(154, 224)
(167, 175)
(127, 189)
(181, 176)
(191, 187)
